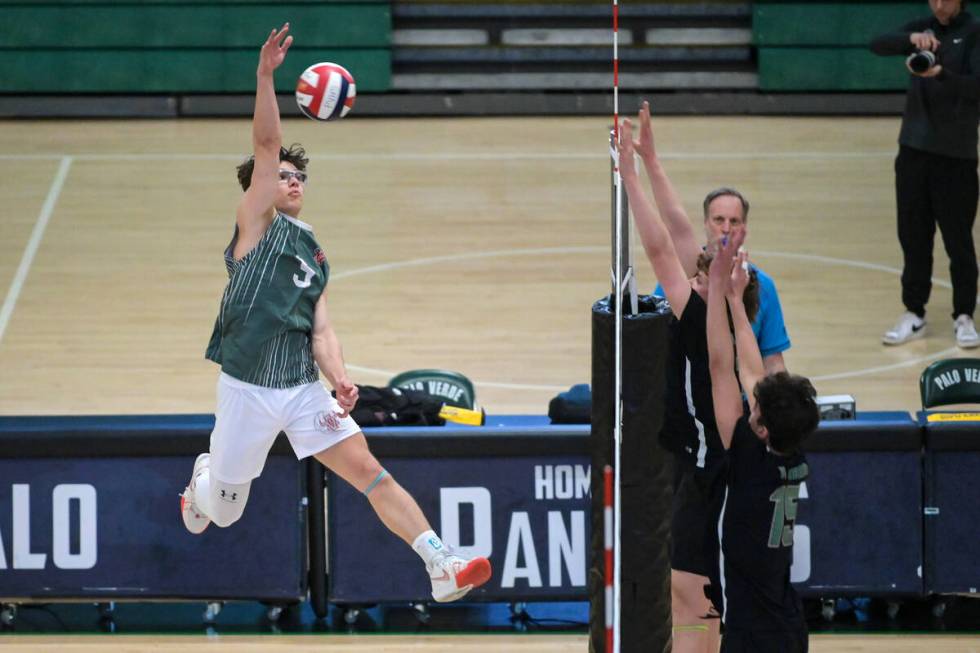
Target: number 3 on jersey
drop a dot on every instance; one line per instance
(308, 273)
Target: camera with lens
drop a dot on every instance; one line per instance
(921, 61)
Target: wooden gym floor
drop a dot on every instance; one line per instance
(472, 244)
(477, 245)
(437, 644)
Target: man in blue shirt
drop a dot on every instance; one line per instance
(695, 622)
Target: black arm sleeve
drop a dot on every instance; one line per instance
(895, 43)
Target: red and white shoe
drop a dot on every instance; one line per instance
(452, 577)
(194, 520)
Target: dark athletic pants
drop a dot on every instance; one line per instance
(933, 189)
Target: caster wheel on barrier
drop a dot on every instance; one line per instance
(828, 608)
(8, 613)
(518, 610)
(421, 612)
(519, 617)
(893, 608)
(351, 615)
(939, 609)
(211, 612)
(274, 612)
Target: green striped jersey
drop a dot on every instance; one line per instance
(262, 333)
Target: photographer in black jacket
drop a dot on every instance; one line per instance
(936, 167)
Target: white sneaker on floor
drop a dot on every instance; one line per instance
(194, 520)
(909, 327)
(452, 577)
(966, 332)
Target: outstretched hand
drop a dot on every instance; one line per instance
(724, 258)
(274, 49)
(627, 162)
(644, 144)
(740, 275)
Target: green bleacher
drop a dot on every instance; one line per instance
(181, 46)
(187, 47)
(823, 46)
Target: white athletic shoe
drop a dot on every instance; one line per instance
(909, 327)
(194, 520)
(452, 577)
(966, 332)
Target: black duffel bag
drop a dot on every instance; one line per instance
(395, 407)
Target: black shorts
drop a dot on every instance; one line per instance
(793, 639)
(694, 520)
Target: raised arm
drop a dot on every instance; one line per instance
(725, 393)
(668, 202)
(750, 365)
(656, 240)
(330, 357)
(256, 208)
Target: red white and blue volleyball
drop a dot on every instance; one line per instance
(325, 91)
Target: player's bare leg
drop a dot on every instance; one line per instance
(452, 577)
(695, 629)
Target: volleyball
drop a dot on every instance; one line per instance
(325, 91)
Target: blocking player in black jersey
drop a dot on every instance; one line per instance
(689, 429)
(760, 609)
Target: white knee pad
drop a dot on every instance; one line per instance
(223, 502)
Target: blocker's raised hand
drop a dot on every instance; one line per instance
(627, 163)
(724, 259)
(740, 274)
(644, 144)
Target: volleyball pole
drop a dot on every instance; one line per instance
(623, 282)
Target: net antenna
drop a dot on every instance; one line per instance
(624, 286)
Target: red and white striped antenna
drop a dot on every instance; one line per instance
(607, 523)
(620, 277)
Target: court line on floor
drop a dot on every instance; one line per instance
(590, 249)
(848, 262)
(468, 256)
(452, 156)
(482, 384)
(886, 368)
(33, 243)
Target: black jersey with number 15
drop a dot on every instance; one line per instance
(757, 520)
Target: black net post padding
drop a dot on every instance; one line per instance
(645, 502)
(315, 483)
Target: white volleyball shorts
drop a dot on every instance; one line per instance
(249, 417)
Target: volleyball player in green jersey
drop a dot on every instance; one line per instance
(273, 337)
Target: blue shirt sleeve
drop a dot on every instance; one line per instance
(769, 327)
